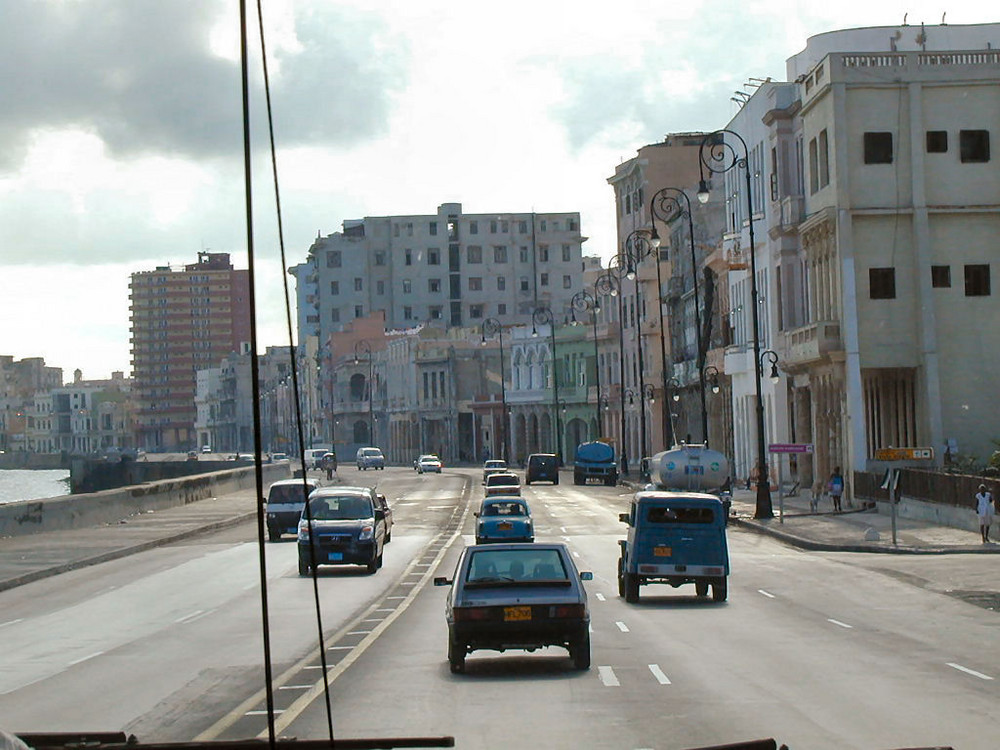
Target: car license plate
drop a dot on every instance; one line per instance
(661, 551)
(504, 526)
(516, 614)
(335, 556)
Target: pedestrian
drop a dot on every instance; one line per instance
(984, 509)
(836, 487)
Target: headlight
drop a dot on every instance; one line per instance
(367, 531)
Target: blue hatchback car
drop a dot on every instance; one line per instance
(504, 518)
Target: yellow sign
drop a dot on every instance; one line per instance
(904, 454)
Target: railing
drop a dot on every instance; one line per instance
(813, 341)
(792, 210)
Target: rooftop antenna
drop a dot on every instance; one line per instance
(942, 18)
(904, 18)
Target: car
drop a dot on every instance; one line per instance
(493, 466)
(542, 467)
(517, 596)
(313, 456)
(279, 457)
(504, 518)
(192, 455)
(503, 483)
(341, 526)
(206, 449)
(381, 502)
(370, 458)
(428, 463)
(283, 507)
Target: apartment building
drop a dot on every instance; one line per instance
(448, 268)
(20, 380)
(182, 320)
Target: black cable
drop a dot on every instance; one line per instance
(295, 389)
(255, 374)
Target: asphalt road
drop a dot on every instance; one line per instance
(820, 650)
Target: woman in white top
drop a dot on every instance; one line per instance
(984, 507)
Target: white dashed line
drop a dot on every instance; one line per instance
(769, 596)
(190, 617)
(607, 675)
(11, 622)
(575, 553)
(358, 632)
(339, 648)
(658, 674)
(838, 622)
(264, 713)
(622, 627)
(566, 539)
(973, 672)
(85, 658)
(294, 687)
(396, 597)
(600, 597)
(562, 529)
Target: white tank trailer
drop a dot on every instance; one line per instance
(689, 468)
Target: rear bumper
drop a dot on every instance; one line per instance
(499, 636)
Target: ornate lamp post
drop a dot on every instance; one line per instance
(719, 156)
(609, 284)
(583, 301)
(540, 317)
(711, 374)
(491, 327)
(363, 347)
(666, 205)
(637, 247)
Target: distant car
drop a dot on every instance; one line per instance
(347, 526)
(285, 500)
(504, 519)
(503, 483)
(542, 467)
(279, 457)
(493, 466)
(206, 449)
(428, 463)
(370, 458)
(517, 596)
(192, 456)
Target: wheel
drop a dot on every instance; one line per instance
(273, 536)
(631, 588)
(527, 482)
(555, 481)
(579, 651)
(611, 481)
(378, 560)
(388, 537)
(701, 588)
(456, 656)
(372, 566)
(577, 479)
(621, 577)
(720, 590)
(303, 567)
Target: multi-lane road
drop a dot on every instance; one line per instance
(819, 650)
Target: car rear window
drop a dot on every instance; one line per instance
(488, 566)
(288, 493)
(372, 452)
(543, 461)
(511, 508)
(502, 479)
(680, 515)
(341, 508)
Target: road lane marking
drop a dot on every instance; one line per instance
(400, 596)
(339, 648)
(838, 622)
(191, 617)
(11, 622)
(264, 713)
(294, 687)
(769, 596)
(85, 658)
(359, 632)
(622, 627)
(566, 539)
(973, 672)
(600, 597)
(658, 674)
(575, 553)
(607, 675)
(562, 529)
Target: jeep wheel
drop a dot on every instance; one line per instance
(556, 480)
(273, 535)
(701, 588)
(579, 651)
(372, 566)
(303, 567)
(719, 590)
(631, 588)
(621, 577)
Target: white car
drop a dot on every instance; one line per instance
(428, 463)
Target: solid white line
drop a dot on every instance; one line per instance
(607, 675)
(973, 672)
(600, 597)
(590, 628)
(11, 622)
(80, 661)
(339, 648)
(264, 713)
(838, 622)
(315, 666)
(658, 674)
(294, 687)
(386, 609)
(395, 597)
(622, 626)
(359, 632)
(769, 596)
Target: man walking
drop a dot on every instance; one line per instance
(984, 508)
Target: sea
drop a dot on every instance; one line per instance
(32, 484)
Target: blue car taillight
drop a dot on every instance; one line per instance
(567, 610)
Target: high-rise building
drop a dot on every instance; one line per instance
(183, 320)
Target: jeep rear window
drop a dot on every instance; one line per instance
(680, 515)
(288, 493)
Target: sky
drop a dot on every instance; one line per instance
(121, 145)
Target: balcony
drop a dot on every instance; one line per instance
(812, 342)
(793, 210)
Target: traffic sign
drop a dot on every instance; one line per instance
(790, 448)
(904, 454)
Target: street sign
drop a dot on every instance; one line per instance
(790, 448)
(904, 454)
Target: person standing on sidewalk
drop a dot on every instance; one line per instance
(984, 508)
(836, 487)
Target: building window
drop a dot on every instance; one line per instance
(435, 312)
(335, 315)
(475, 311)
(474, 254)
(409, 229)
(473, 227)
(523, 254)
(409, 257)
(544, 225)
(544, 280)
(395, 230)
(813, 166)
(333, 258)
(407, 313)
(475, 283)
(433, 256)
(937, 141)
(522, 227)
(524, 283)
(567, 253)
(941, 276)
(882, 283)
(501, 309)
(878, 148)
(434, 228)
(977, 280)
(567, 282)
(380, 287)
(334, 287)
(501, 283)
(493, 226)
(543, 253)
(974, 145)
(499, 254)
(824, 159)
(434, 286)
(380, 258)
(359, 311)
(407, 286)
(358, 283)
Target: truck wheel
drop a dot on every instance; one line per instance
(556, 480)
(273, 535)
(579, 651)
(719, 590)
(303, 567)
(456, 656)
(701, 588)
(621, 578)
(631, 588)
(577, 479)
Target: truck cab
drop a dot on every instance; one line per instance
(677, 526)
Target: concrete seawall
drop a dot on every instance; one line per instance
(111, 506)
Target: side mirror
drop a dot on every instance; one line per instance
(586, 575)
(623, 517)
(442, 581)
(382, 498)
(379, 514)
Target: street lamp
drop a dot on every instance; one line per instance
(711, 373)
(363, 347)
(583, 301)
(491, 327)
(771, 357)
(540, 317)
(719, 158)
(666, 205)
(609, 284)
(636, 247)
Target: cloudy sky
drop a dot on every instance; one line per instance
(121, 141)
